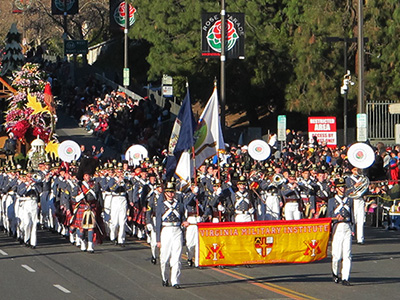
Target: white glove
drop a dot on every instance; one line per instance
(221, 208)
(219, 191)
(251, 211)
(149, 227)
(195, 190)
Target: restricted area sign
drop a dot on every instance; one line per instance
(324, 128)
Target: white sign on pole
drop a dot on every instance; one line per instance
(281, 128)
(362, 128)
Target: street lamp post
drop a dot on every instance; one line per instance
(345, 41)
(223, 58)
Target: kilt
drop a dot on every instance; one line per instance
(78, 217)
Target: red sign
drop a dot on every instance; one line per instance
(324, 128)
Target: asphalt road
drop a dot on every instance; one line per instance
(58, 270)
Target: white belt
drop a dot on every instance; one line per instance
(171, 224)
(119, 194)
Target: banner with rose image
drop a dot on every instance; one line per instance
(211, 35)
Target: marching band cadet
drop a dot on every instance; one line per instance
(307, 194)
(353, 182)
(244, 209)
(322, 191)
(216, 204)
(139, 194)
(291, 195)
(85, 216)
(119, 189)
(104, 182)
(151, 220)
(10, 205)
(272, 205)
(340, 207)
(194, 210)
(169, 219)
(29, 198)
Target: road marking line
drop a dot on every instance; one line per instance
(268, 286)
(61, 288)
(3, 253)
(28, 268)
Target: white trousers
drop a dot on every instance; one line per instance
(359, 216)
(272, 208)
(292, 211)
(243, 218)
(192, 240)
(170, 253)
(341, 250)
(29, 220)
(106, 214)
(118, 218)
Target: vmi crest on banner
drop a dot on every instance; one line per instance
(211, 35)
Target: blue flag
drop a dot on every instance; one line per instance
(182, 134)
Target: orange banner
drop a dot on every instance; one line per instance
(263, 242)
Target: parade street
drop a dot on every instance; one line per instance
(58, 270)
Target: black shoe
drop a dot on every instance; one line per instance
(122, 245)
(33, 247)
(90, 251)
(177, 286)
(335, 278)
(361, 243)
(346, 283)
(190, 262)
(153, 260)
(165, 283)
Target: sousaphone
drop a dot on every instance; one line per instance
(135, 154)
(361, 156)
(259, 150)
(69, 151)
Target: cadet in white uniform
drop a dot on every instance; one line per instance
(340, 208)
(169, 219)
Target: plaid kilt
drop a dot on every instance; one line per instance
(138, 216)
(78, 217)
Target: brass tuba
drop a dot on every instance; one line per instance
(361, 189)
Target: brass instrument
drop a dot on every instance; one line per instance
(277, 179)
(36, 177)
(361, 188)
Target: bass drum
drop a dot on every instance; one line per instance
(135, 154)
(361, 155)
(259, 150)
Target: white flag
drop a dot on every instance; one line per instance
(184, 169)
(208, 135)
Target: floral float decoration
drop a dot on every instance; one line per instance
(31, 111)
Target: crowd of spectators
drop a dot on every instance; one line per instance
(116, 119)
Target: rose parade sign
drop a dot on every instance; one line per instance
(117, 15)
(211, 32)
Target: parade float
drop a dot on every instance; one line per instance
(31, 113)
